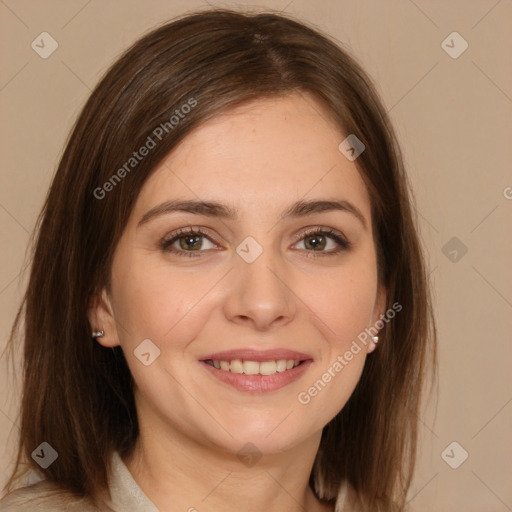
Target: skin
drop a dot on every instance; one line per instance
(259, 158)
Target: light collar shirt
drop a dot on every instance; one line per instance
(124, 495)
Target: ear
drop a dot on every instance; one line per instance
(101, 318)
(379, 309)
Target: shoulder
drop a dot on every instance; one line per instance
(44, 496)
(352, 501)
(347, 499)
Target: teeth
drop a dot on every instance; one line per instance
(249, 367)
(236, 366)
(268, 367)
(255, 367)
(281, 365)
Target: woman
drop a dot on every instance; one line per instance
(228, 304)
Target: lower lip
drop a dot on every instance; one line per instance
(259, 383)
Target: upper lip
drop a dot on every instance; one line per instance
(257, 355)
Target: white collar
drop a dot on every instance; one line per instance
(125, 493)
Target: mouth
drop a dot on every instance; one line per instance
(254, 367)
(256, 371)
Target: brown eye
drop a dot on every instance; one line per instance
(315, 242)
(188, 240)
(324, 242)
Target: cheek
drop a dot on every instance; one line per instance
(345, 301)
(342, 312)
(151, 300)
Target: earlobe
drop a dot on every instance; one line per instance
(373, 344)
(101, 320)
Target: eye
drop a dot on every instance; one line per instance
(316, 240)
(188, 240)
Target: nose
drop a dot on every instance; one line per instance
(259, 294)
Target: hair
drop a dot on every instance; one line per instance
(212, 61)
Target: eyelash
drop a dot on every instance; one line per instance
(344, 244)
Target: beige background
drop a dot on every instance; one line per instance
(454, 120)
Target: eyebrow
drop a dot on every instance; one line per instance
(220, 210)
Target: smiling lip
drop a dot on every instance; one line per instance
(256, 355)
(257, 383)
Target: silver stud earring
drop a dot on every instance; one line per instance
(97, 334)
(373, 343)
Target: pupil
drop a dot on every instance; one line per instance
(193, 245)
(317, 244)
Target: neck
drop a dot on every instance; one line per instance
(179, 473)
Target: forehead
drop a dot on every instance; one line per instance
(260, 155)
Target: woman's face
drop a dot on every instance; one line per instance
(265, 285)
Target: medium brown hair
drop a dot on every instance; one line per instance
(77, 395)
